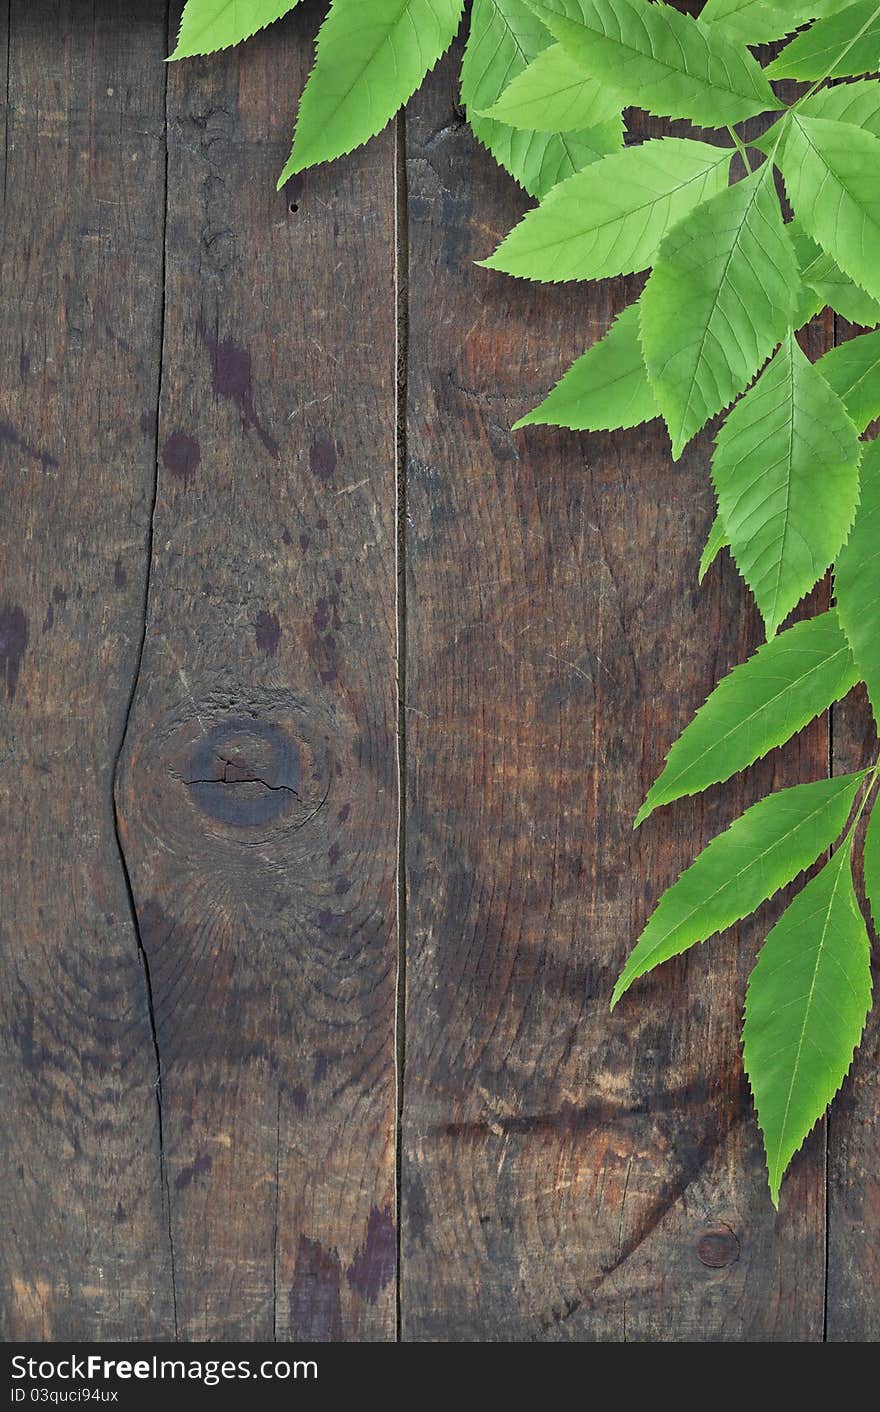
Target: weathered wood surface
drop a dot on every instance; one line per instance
(84, 1235)
(199, 430)
(258, 794)
(566, 1175)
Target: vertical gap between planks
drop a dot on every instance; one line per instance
(148, 552)
(401, 297)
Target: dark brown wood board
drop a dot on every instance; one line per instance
(257, 475)
(85, 1244)
(258, 795)
(853, 1294)
(566, 1175)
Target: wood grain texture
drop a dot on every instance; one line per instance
(85, 1249)
(566, 1175)
(258, 798)
(854, 1122)
(853, 1294)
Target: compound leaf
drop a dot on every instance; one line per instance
(654, 58)
(806, 1005)
(786, 475)
(606, 388)
(610, 218)
(761, 704)
(553, 95)
(720, 298)
(857, 579)
(209, 25)
(371, 57)
(842, 45)
(832, 176)
(505, 36)
(852, 370)
(762, 851)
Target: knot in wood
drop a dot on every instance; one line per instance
(718, 1248)
(245, 772)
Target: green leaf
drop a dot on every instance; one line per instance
(842, 45)
(857, 579)
(825, 283)
(654, 58)
(209, 25)
(714, 544)
(505, 36)
(806, 1005)
(372, 56)
(786, 475)
(853, 371)
(832, 176)
(553, 95)
(606, 388)
(721, 296)
(610, 218)
(758, 706)
(759, 21)
(857, 103)
(871, 863)
(761, 852)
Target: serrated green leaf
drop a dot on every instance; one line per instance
(760, 21)
(372, 56)
(842, 45)
(785, 472)
(610, 218)
(857, 579)
(714, 544)
(209, 25)
(655, 58)
(852, 370)
(806, 1005)
(825, 283)
(857, 103)
(832, 176)
(761, 852)
(719, 299)
(553, 95)
(505, 36)
(606, 388)
(758, 706)
(871, 863)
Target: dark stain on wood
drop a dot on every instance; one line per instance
(375, 1262)
(14, 638)
(315, 1304)
(232, 377)
(181, 455)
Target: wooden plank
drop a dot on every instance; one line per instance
(854, 1124)
(853, 1314)
(85, 1241)
(258, 797)
(566, 1175)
